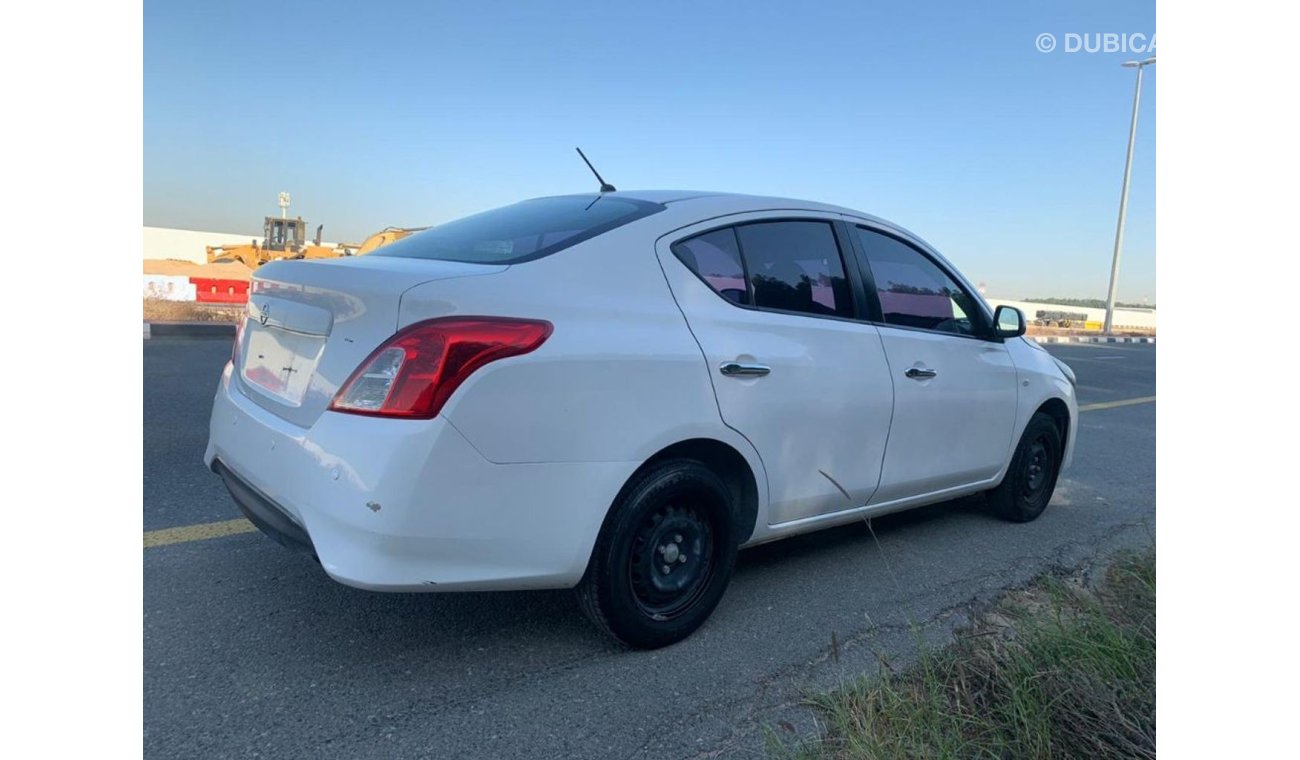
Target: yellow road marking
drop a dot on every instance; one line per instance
(201, 532)
(204, 531)
(1113, 404)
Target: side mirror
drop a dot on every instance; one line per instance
(1008, 322)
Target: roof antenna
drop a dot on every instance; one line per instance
(605, 187)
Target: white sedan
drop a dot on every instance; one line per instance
(616, 392)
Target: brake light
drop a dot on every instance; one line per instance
(414, 372)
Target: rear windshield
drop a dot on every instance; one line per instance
(522, 232)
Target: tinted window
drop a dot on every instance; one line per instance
(715, 257)
(914, 291)
(522, 232)
(795, 266)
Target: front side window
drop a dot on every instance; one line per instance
(913, 290)
(521, 232)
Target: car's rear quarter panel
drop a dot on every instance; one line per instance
(619, 378)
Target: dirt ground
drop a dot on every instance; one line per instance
(158, 310)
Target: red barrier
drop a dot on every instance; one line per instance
(219, 291)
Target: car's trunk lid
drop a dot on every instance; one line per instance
(309, 324)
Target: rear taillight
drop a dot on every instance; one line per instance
(414, 372)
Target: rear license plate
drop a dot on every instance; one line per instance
(280, 362)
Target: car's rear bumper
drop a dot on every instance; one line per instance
(269, 517)
(408, 505)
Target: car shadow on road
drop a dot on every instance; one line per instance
(298, 614)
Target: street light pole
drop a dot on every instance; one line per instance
(1123, 196)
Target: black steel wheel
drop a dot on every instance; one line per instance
(672, 559)
(664, 556)
(1030, 480)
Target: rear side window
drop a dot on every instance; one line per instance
(914, 291)
(786, 266)
(715, 257)
(522, 232)
(795, 266)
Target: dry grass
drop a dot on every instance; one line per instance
(1057, 670)
(158, 310)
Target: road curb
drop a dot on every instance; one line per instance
(1087, 339)
(189, 329)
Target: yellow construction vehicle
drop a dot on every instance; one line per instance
(283, 239)
(379, 240)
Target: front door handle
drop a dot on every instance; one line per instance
(736, 369)
(920, 373)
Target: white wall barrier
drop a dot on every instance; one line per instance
(168, 288)
(191, 245)
(1139, 319)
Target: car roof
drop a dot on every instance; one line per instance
(713, 204)
(741, 200)
(720, 203)
(724, 202)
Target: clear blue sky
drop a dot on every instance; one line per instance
(943, 117)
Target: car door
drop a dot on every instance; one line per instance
(796, 366)
(954, 385)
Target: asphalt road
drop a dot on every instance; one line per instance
(250, 650)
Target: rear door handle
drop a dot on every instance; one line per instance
(920, 373)
(736, 369)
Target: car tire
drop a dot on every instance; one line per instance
(1030, 480)
(664, 556)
